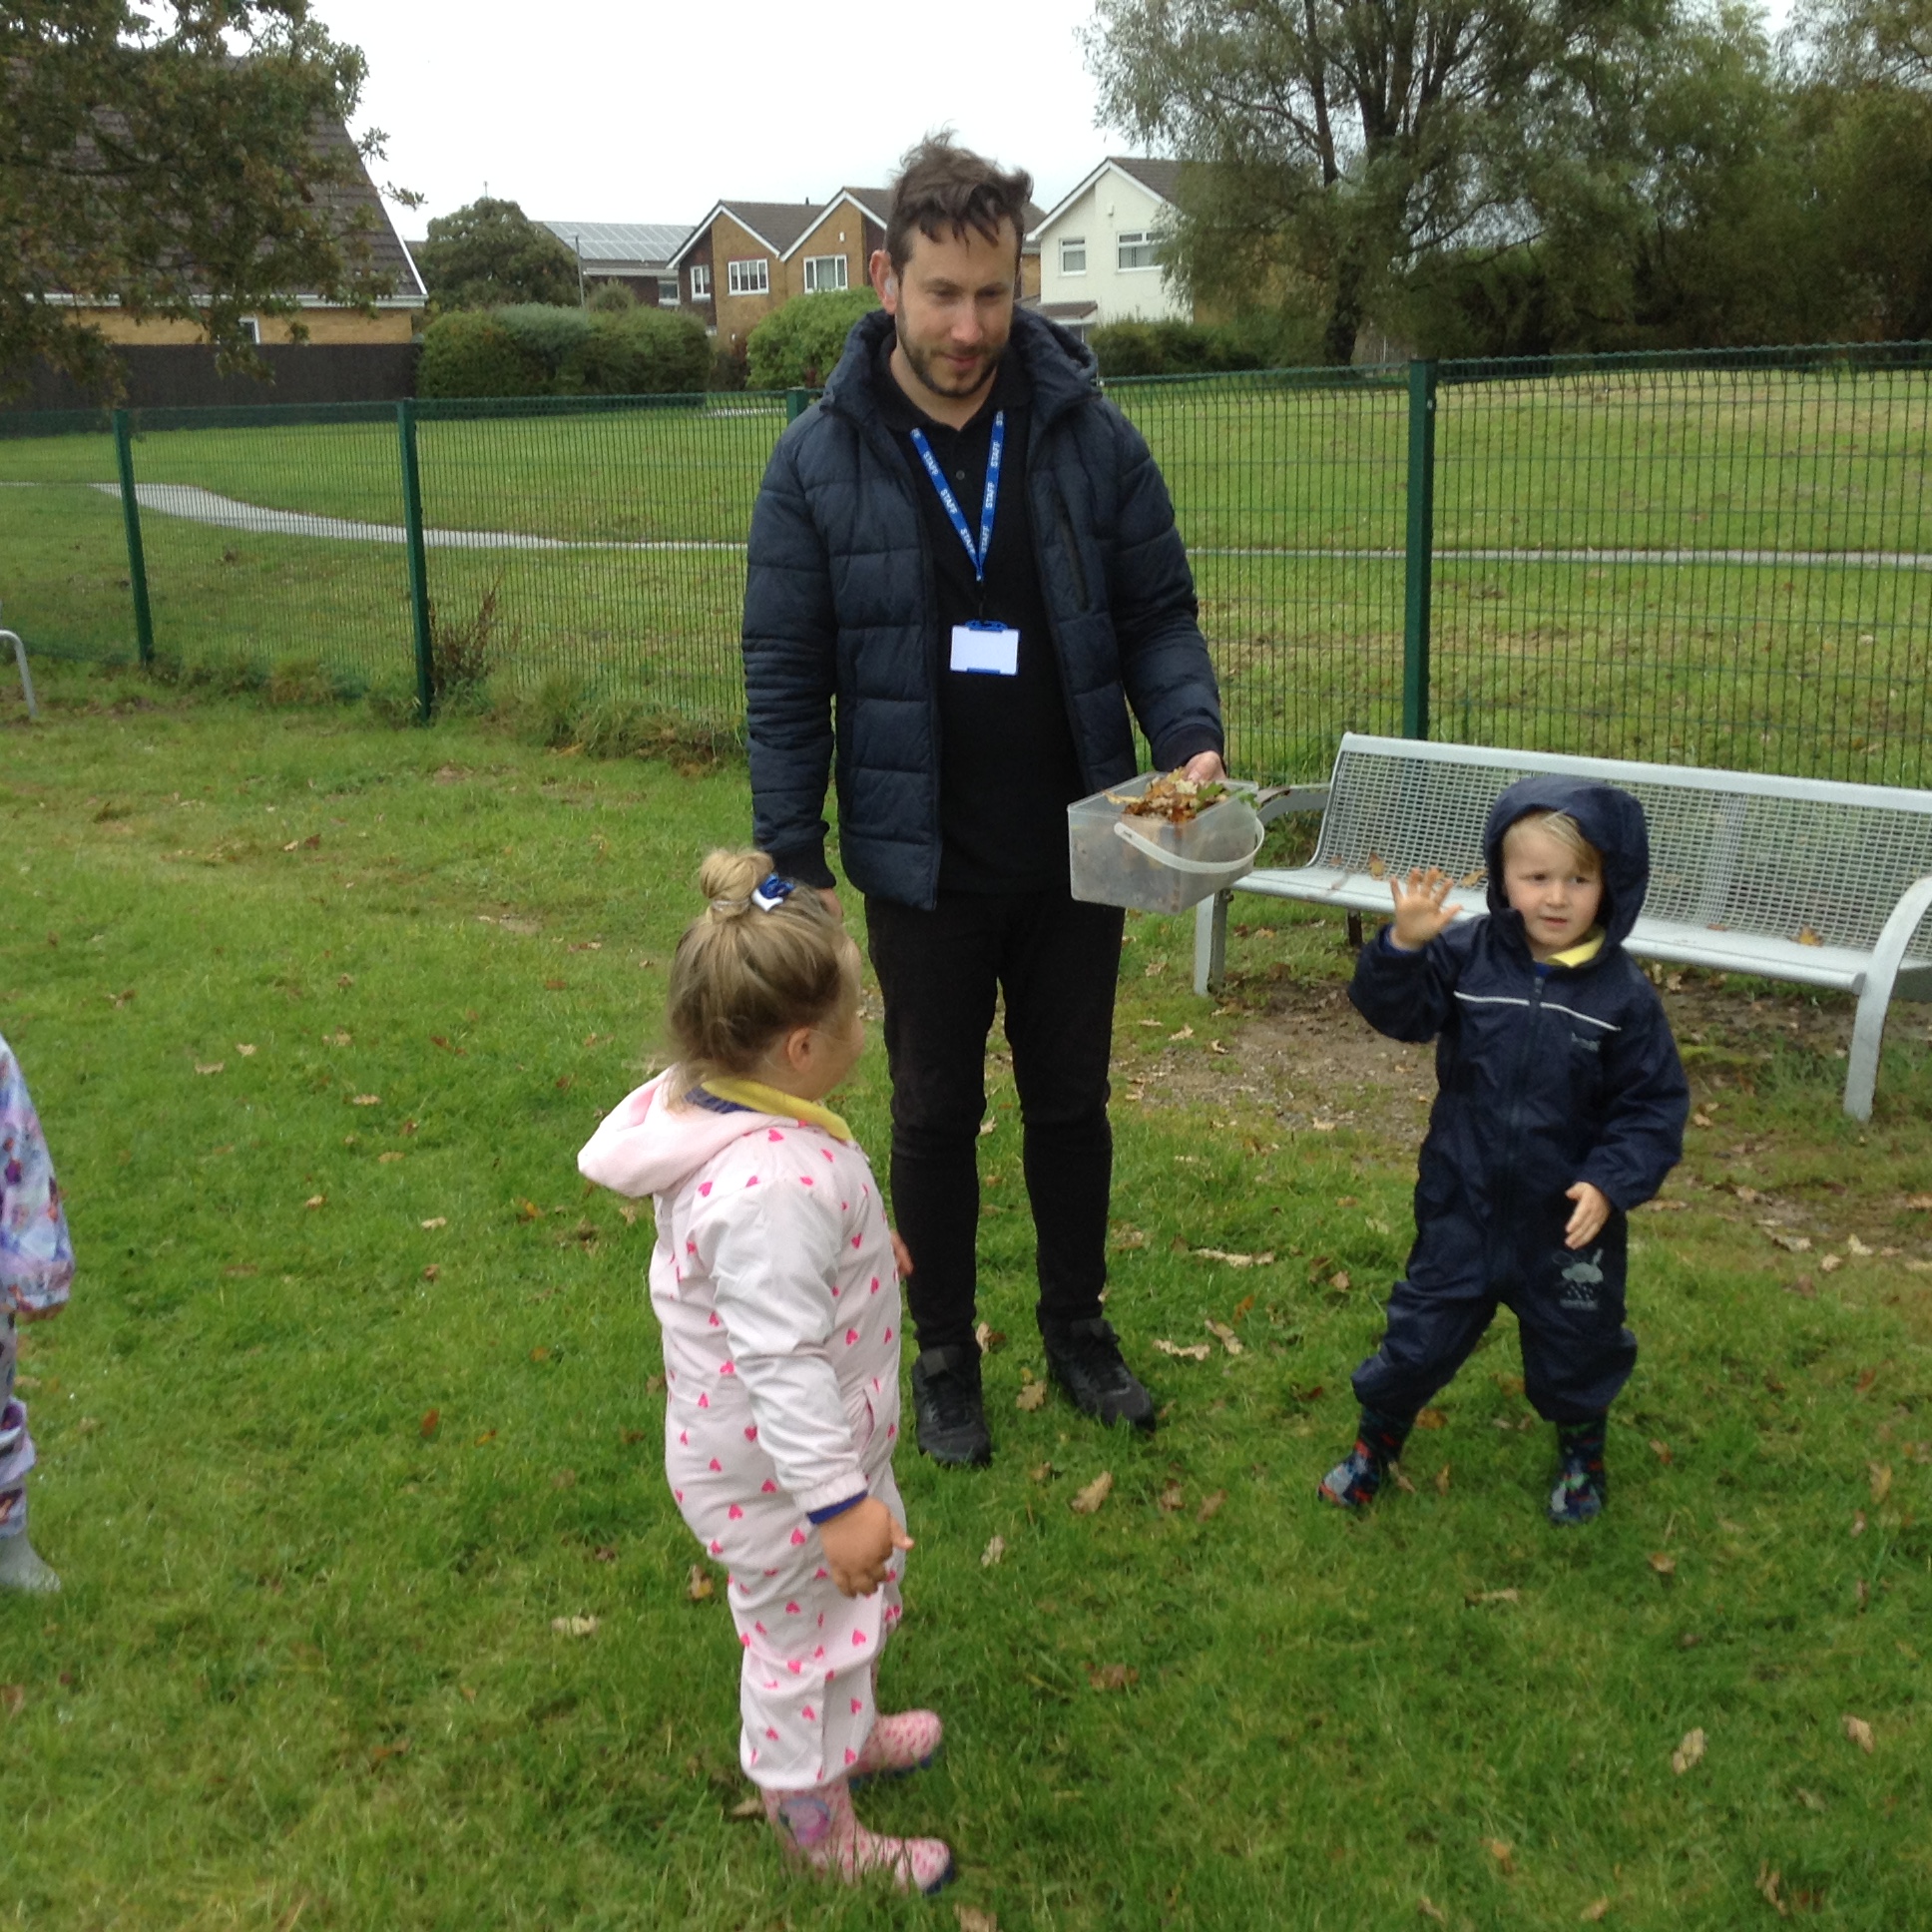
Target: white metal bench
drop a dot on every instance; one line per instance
(26, 678)
(1809, 881)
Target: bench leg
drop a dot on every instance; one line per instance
(1211, 943)
(1869, 1031)
(1355, 932)
(26, 678)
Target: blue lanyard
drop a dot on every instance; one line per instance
(987, 506)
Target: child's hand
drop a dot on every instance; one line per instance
(26, 1313)
(903, 1254)
(859, 1545)
(1591, 1211)
(1420, 914)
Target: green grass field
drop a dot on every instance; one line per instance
(354, 1399)
(1292, 503)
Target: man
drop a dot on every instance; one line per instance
(964, 569)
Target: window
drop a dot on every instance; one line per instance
(748, 277)
(251, 328)
(1136, 250)
(1072, 256)
(700, 280)
(667, 291)
(825, 272)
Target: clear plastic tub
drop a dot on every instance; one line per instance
(1153, 864)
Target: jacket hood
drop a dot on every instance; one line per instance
(643, 1146)
(1611, 820)
(1060, 367)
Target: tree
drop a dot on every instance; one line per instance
(1337, 143)
(194, 171)
(491, 253)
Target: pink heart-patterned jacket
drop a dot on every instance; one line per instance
(774, 1279)
(36, 1257)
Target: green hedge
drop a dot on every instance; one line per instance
(799, 345)
(1196, 348)
(536, 349)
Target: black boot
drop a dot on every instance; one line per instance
(949, 1411)
(1083, 1357)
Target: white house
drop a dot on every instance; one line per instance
(1097, 249)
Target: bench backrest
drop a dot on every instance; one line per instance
(1808, 859)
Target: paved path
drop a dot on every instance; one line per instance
(197, 505)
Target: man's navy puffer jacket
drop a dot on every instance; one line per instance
(840, 606)
(1547, 1078)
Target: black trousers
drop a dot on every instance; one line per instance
(1057, 962)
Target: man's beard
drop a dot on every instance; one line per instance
(921, 362)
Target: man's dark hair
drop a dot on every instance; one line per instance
(944, 189)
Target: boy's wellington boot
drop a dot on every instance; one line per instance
(817, 1827)
(1581, 1487)
(1378, 1442)
(22, 1566)
(907, 1742)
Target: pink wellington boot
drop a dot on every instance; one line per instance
(817, 1827)
(899, 1744)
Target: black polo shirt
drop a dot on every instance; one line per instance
(1008, 768)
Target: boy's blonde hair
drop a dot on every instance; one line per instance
(1564, 829)
(744, 974)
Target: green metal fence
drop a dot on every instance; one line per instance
(1719, 559)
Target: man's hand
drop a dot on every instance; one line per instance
(1205, 766)
(1420, 914)
(860, 1544)
(1591, 1211)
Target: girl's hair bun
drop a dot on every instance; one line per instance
(728, 879)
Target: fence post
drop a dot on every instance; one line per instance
(418, 562)
(143, 623)
(1420, 549)
(797, 401)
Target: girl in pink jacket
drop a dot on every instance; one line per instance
(774, 1280)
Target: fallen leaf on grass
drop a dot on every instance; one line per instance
(1504, 1853)
(993, 1552)
(1124, 1236)
(1882, 1481)
(432, 1272)
(1430, 1420)
(384, 1752)
(1233, 1261)
(1768, 1881)
(1401, 1480)
(1810, 1799)
(1481, 1599)
(1193, 1352)
(430, 1423)
(1860, 1733)
(529, 1210)
(1919, 1204)
(366, 1100)
(1032, 1396)
(487, 1435)
(1322, 1127)
(747, 1808)
(1858, 1522)
(1211, 1506)
(438, 1221)
(1341, 1281)
(540, 1354)
(1186, 1033)
(1664, 1566)
(971, 1919)
(1690, 1752)
(1594, 1911)
(1227, 1336)
(1700, 1119)
(1111, 1677)
(1041, 1473)
(385, 1159)
(585, 1626)
(1094, 1494)
(11, 1697)
(317, 1200)
(1425, 1904)
(604, 1553)
(564, 1479)
(1793, 1244)
(991, 1341)
(1442, 1480)
(1660, 1450)
(1172, 1498)
(1830, 1264)
(246, 1052)
(210, 1066)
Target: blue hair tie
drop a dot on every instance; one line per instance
(772, 893)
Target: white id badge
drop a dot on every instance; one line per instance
(992, 647)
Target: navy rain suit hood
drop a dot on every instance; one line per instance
(1548, 1074)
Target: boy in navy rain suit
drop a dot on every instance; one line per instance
(1562, 1108)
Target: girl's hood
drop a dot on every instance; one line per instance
(645, 1146)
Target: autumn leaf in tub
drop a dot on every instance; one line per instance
(1161, 842)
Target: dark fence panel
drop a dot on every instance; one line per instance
(183, 376)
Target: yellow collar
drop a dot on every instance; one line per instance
(768, 1100)
(1582, 952)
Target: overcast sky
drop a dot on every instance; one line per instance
(615, 111)
(600, 111)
